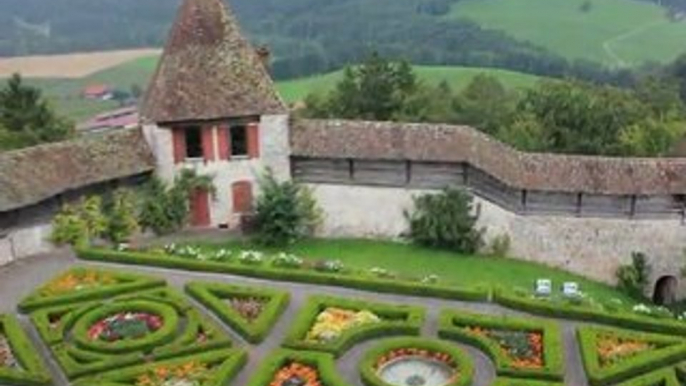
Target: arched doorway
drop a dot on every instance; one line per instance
(665, 290)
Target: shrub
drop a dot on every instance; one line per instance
(445, 220)
(499, 246)
(164, 208)
(79, 225)
(633, 278)
(286, 211)
(122, 219)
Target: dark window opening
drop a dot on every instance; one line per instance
(193, 142)
(239, 141)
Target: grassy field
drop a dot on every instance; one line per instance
(457, 77)
(65, 93)
(614, 32)
(452, 268)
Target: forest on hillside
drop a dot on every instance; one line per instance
(306, 36)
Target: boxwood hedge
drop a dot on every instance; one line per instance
(662, 377)
(452, 325)
(463, 362)
(33, 371)
(214, 295)
(395, 320)
(669, 351)
(323, 362)
(523, 382)
(282, 274)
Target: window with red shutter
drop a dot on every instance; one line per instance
(224, 142)
(208, 143)
(179, 144)
(239, 141)
(253, 140)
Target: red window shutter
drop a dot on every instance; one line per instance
(224, 142)
(242, 197)
(253, 140)
(207, 134)
(179, 144)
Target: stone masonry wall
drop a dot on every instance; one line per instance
(592, 247)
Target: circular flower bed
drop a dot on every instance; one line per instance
(416, 362)
(125, 325)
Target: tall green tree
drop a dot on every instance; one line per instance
(485, 104)
(26, 118)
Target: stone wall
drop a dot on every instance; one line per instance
(592, 247)
(25, 241)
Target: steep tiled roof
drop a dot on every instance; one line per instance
(208, 70)
(445, 143)
(31, 175)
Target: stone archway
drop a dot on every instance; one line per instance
(665, 290)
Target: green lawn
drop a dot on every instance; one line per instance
(614, 32)
(452, 268)
(65, 93)
(457, 77)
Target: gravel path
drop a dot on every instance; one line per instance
(20, 278)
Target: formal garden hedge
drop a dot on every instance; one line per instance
(281, 362)
(488, 333)
(287, 274)
(29, 369)
(393, 320)
(523, 382)
(461, 362)
(644, 352)
(216, 296)
(91, 337)
(81, 284)
(662, 377)
(544, 307)
(216, 367)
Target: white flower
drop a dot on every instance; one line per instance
(642, 309)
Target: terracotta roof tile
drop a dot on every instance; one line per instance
(31, 175)
(445, 143)
(208, 70)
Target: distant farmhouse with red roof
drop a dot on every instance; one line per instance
(123, 118)
(97, 91)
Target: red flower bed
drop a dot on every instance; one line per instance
(125, 325)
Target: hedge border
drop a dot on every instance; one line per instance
(288, 275)
(77, 361)
(132, 282)
(163, 335)
(323, 362)
(465, 365)
(631, 367)
(404, 320)
(210, 294)
(450, 327)
(34, 372)
(523, 382)
(230, 361)
(668, 376)
(570, 312)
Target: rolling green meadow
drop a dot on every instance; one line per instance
(612, 32)
(65, 93)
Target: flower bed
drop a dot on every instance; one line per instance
(416, 362)
(92, 337)
(297, 368)
(324, 272)
(333, 325)
(251, 311)
(611, 356)
(19, 361)
(191, 373)
(520, 348)
(81, 284)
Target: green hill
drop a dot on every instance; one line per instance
(614, 32)
(457, 78)
(65, 93)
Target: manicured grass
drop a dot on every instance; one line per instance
(457, 77)
(452, 268)
(613, 32)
